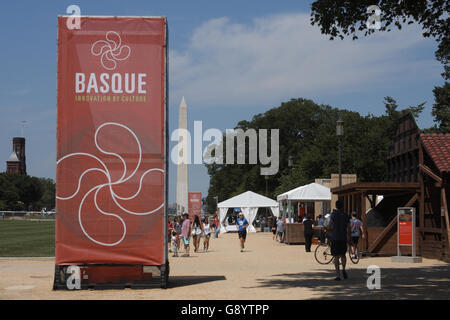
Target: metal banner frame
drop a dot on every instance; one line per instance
(406, 214)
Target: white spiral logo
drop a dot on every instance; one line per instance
(111, 50)
(110, 184)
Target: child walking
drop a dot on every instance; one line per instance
(175, 243)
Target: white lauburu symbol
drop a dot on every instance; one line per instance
(109, 184)
(111, 50)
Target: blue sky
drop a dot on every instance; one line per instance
(230, 59)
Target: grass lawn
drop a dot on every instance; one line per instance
(27, 238)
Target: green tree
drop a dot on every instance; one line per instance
(307, 132)
(48, 197)
(23, 192)
(31, 191)
(9, 193)
(441, 108)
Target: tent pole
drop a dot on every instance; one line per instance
(290, 210)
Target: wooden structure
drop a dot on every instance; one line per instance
(418, 175)
(293, 233)
(434, 178)
(354, 197)
(403, 156)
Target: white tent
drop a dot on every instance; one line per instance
(249, 202)
(309, 192)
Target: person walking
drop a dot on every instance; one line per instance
(177, 227)
(197, 231)
(357, 230)
(280, 228)
(186, 234)
(340, 230)
(216, 227)
(326, 219)
(326, 229)
(169, 234)
(320, 220)
(213, 225)
(274, 229)
(308, 231)
(206, 234)
(320, 223)
(242, 224)
(175, 243)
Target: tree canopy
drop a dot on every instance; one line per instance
(441, 108)
(23, 192)
(308, 134)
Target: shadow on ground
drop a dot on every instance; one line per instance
(396, 283)
(182, 281)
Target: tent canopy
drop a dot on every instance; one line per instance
(309, 192)
(249, 202)
(248, 199)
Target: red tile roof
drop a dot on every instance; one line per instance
(438, 147)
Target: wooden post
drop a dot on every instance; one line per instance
(444, 204)
(364, 221)
(345, 203)
(422, 198)
(358, 205)
(352, 207)
(444, 234)
(349, 203)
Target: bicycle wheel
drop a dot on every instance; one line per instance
(323, 254)
(353, 257)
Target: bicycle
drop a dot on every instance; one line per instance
(322, 253)
(356, 256)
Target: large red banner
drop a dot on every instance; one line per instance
(111, 141)
(194, 203)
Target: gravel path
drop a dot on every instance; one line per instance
(265, 270)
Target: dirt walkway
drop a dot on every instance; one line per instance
(266, 270)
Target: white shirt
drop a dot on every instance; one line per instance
(207, 228)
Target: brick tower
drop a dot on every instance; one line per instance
(17, 161)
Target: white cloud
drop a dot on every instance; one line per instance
(283, 56)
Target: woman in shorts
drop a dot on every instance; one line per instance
(206, 234)
(197, 231)
(186, 234)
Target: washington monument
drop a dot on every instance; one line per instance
(182, 173)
